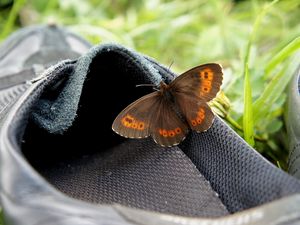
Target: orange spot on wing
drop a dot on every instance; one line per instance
(207, 83)
(160, 131)
(207, 73)
(206, 77)
(194, 123)
(169, 133)
(165, 133)
(205, 88)
(210, 76)
(141, 126)
(131, 122)
(178, 130)
(201, 113)
(199, 118)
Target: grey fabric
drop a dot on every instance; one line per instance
(141, 175)
(26, 53)
(8, 96)
(17, 78)
(44, 45)
(241, 177)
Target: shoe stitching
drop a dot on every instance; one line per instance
(9, 98)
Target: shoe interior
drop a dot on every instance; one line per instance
(92, 163)
(210, 174)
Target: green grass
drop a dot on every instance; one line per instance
(248, 120)
(7, 28)
(1, 217)
(248, 128)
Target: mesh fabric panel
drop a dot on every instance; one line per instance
(142, 175)
(240, 175)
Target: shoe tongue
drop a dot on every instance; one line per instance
(114, 72)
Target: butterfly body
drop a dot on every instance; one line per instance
(169, 113)
(165, 91)
(167, 94)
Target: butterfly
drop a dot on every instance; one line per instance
(169, 113)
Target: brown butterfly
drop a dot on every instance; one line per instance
(167, 114)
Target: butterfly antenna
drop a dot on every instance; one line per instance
(148, 85)
(171, 64)
(145, 85)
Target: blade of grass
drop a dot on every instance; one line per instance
(12, 18)
(275, 88)
(248, 115)
(248, 124)
(285, 52)
(271, 93)
(278, 165)
(1, 217)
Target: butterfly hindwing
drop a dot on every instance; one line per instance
(134, 121)
(167, 129)
(204, 81)
(197, 113)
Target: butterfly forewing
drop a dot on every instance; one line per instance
(167, 129)
(134, 121)
(204, 81)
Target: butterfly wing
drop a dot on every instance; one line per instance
(203, 81)
(134, 121)
(193, 89)
(197, 113)
(167, 129)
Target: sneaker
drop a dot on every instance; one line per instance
(62, 164)
(293, 125)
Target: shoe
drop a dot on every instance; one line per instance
(293, 124)
(27, 52)
(62, 164)
(35, 47)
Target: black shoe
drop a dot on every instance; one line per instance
(62, 164)
(293, 124)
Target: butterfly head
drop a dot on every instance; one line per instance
(163, 86)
